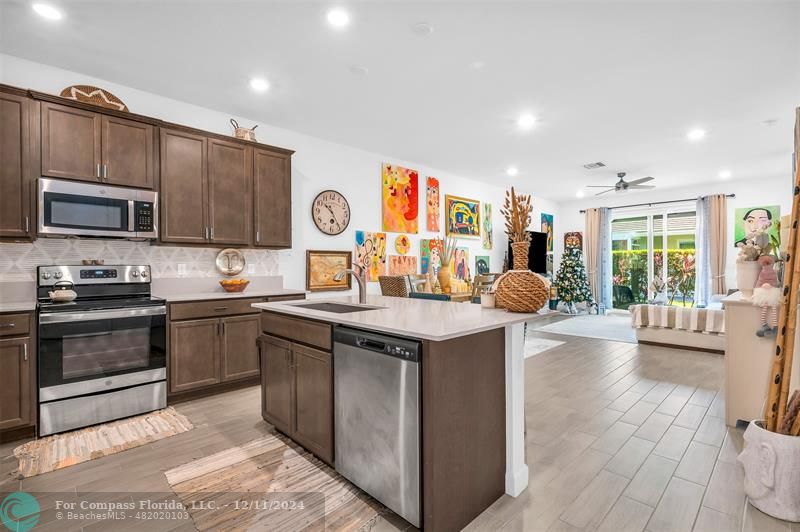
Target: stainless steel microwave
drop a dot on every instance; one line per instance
(86, 209)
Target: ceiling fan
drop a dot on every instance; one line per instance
(622, 185)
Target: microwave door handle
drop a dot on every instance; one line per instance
(130, 216)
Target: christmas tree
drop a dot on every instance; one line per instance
(573, 287)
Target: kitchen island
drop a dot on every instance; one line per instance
(471, 391)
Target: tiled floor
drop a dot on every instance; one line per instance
(620, 437)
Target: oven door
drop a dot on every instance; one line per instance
(96, 351)
(68, 208)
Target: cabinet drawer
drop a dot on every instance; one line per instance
(15, 324)
(300, 330)
(286, 298)
(217, 307)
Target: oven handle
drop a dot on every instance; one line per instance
(65, 317)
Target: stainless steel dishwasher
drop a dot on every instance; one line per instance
(377, 417)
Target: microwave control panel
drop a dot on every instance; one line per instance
(144, 216)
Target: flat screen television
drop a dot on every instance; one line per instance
(537, 253)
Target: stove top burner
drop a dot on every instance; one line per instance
(100, 304)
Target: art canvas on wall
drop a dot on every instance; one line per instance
(748, 219)
(487, 236)
(402, 264)
(482, 264)
(547, 227)
(463, 217)
(430, 255)
(400, 199)
(459, 266)
(321, 266)
(432, 195)
(402, 244)
(371, 254)
(573, 239)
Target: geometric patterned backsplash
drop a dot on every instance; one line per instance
(18, 261)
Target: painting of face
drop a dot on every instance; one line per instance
(463, 217)
(430, 255)
(402, 264)
(573, 240)
(751, 219)
(371, 254)
(433, 204)
(482, 264)
(459, 266)
(400, 199)
(488, 238)
(547, 227)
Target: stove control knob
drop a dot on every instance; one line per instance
(144, 273)
(58, 275)
(134, 273)
(46, 275)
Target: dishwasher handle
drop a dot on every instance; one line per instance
(402, 348)
(372, 345)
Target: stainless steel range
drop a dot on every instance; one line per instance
(103, 355)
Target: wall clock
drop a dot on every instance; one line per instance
(330, 212)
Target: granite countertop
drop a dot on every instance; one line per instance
(221, 294)
(17, 306)
(413, 318)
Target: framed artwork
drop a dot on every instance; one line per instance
(748, 219)
(573, 239)
(432, 200)
(430, 255)
(547, 227)
(487, 238)
(482, 264)
(402, 244)
(321, 266)
(459, 266)
(463, 217)
(400, 199)
(371, 254)
(402, 264)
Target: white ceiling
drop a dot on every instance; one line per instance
(618, 82)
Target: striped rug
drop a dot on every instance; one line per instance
(270, 484)
(70, 448)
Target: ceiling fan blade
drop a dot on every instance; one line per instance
(604, 192)
(600, 186)
(640, 181)
(641, 186)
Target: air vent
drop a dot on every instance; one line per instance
(592, 166)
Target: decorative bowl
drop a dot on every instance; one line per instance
(234, 285)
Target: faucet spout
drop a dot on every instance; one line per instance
(362, 283)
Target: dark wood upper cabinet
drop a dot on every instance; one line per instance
(193, 354)
(128, 148)
(183, 188)
(15, 382)
(272, 191)
(71, 140)
(313, 425)
(15, 178)
(239, 355)
(277, 382)
(230, 185)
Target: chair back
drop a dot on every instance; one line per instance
(483, 283)
(425, 295)
(393, 285)
(416, 282)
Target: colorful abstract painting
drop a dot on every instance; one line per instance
(430, 255)
(487, 236)
(400, 199)
(402, 244)
(463, 216)
(432, 195)
(371, 254)
(402, 264)
(459, 266)
(547, 227)
(748, 219)
(482, 264)
(573, 239)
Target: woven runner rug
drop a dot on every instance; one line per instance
(271, 484)
(63, 450)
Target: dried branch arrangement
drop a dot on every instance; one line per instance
(448, 250)
(517, 211)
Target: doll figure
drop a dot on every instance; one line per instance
(767, 295)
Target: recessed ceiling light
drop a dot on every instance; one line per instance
(725, 174)
(338, 18)
(526, 121)
(422, 29)
(696, 134)
(579, 194)
(259, 84)
(512, 171)
(47, 11)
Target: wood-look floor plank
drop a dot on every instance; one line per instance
(627, 515)
(651, 480)
(697, 463)
(677, 510)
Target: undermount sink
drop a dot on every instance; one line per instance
(338, 308)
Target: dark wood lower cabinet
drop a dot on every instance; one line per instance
(15, 382)
(239, 355)
(277, 383)
(193, 354)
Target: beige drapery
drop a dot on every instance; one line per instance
(592, 255)
(717, 241)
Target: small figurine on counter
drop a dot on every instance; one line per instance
(767, 295)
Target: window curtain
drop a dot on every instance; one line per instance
(711, 248)
(598, 254)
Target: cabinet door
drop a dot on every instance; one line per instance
(239, 351)
(70, 143)
(272, 182)
(193, 354)
(313, 401)
(127, 152)
(277, 383)
(183, 188)
(15, 382)
(15, 215)
(230, 182)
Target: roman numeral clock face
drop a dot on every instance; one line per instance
(331, 212)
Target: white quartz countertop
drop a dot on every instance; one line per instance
(413, 318)
(221, 294)
(17, 306)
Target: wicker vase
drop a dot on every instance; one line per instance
(444, 278)
(521, 290)
(520, 250)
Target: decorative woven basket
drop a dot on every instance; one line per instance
(95, 96)
(242, 132)
(520, 250)
(521, 291)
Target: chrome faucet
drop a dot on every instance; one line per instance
(362, 283)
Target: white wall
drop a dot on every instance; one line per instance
(317, 165)
(775, 191)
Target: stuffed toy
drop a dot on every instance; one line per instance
(767, 295)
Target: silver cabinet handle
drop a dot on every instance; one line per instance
(7, 325)
(258, 236)
(27, 225)
(98, 172)
(105, 172)
(223, 328)
(25, 352)
(207, 237)
(212, 232)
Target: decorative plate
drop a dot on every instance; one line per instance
(94, 95)
(230, 261)
(402, 244)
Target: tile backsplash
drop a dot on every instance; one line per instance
(18, 261)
